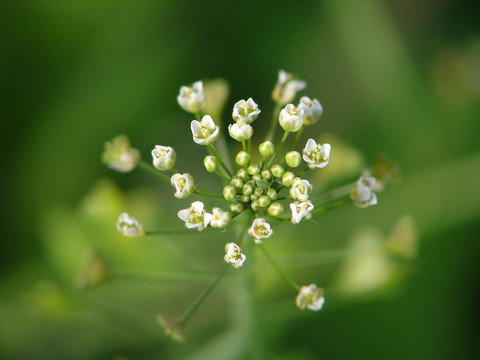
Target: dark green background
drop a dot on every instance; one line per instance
(401, 78)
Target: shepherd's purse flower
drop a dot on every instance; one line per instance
(300, 189)
(316, 155)
(130, 226)
(183, 184)
(260, 230)
(287, 87)
(312, 110)
(195, 216)
(310, 297)
(245, 111)
(119, 155)
(301, 210)
(192, 99)
(291, 118)
(163, 157)
(234, 255)
(205, 132)
(362, 193)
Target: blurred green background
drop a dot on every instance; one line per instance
(399, 78)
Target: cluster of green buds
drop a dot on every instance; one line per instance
(267, 184)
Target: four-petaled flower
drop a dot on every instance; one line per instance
(362, 193)
(192, 99)
(234, 255)
(316, 155)
(163, 157)
(220, 218)
(119, 155)
(312, 110)
(195, 216)
(310, 297)
(286, 88)
(130, 226)
(240, 131)
(301, 210)
(183, 184)
(205, 132)
(291, 118)
(300, 189)
(260, 230)
(245, 111)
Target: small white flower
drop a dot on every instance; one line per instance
(220, 218)
(301, 210)
(195, 216)
(287, 87)
(183, 184)
(362, 193)
(316, 155)
(245, 111)
(119, 155)
(130, 226)
(300, 189)
(234, 255)
(192, 99)
(310, 297)
(259, 230)
(205, 132)
(291, 118)
(240, 131)
(312, 108)
(163, 157)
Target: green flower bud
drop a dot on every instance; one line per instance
(287, 178)
(272, 194)
(276, 209)
(247, 189)
(242, 158)
(258, 191)
(293, 159)
(256, 178)
(264, 201)
(229, 192)
(236, 208)
(266, 174)
(237, 183)
(242, 174)
(211, 163)
(277, 170)
(266, 148)
(245, 198)
(255, 205)
(253, 169)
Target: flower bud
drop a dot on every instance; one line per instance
(242, 158)
(288, 178)
(255, 205)
(240, 131)
(266, 174)
(256, 177)
(293, 159)
(277, 170)
(237, 183)
(275, 209)
(192, 99)
(229, 192)
(266, 148)
(258, 191)
(211, 163)
(242, 174)
(291, 118)
(272, 194)
(253, 169)
(264, 201)
(245, 198)
(247, 189)
(236, 208)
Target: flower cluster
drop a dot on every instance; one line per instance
(263, 183)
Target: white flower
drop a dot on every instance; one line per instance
(245, 111)
(291, 118)
(310, 297)
(119, 155)
(240, 131)
(183, 184)
(301, 210)
(220, 218)
(316, 155)
(312, 108)
(300, 189)
(130, 226)
(259, 230)
(195, 216)
(286, 87)
(205, 132)
(234, 255)
(362, 193)
(163, 157)
(192, 99)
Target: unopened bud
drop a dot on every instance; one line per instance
(277, 170)
(229, 192)
(287, 178)
(210, 163)
(293, 159)
(266, 148)
(242, 158)
(275, 209)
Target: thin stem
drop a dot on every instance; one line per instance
(221, 176)
(206, 193)
(191, 310)
(215, 153)
(151, 170)
(174, 232)
(331, 206)
(280, 272)
(335, 193)
(249, 146)
(297, 136)
(198, 116)
(303, 171)
(273, 125)
(284, 138)
(244, 146)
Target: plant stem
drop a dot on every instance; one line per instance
(202, 192)
(273, 125)
(151, 170)
(280, 272)
(303, 171)
(215, 153)
(333, 205)
(284, 138)
(297, 136)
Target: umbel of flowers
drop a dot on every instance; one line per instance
(270, 189)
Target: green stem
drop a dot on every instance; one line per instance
(335, 193)
(151, 170)
(244, 146)
(198, 116)
(280, 272)
(297, 136)
(206, 193)
(174, 232)
(284, 138)
(331, 206)
(303, 171)
(273, 125)
(215, 153)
